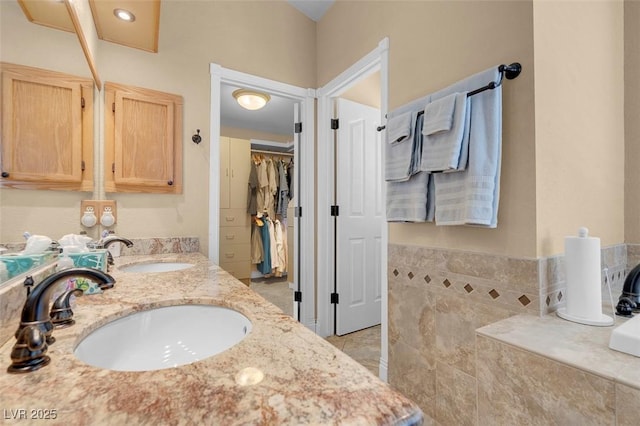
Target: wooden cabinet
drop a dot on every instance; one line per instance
(143, 140)
(235, 166)
(235, 222)
(47, 129)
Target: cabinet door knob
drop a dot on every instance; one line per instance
(5, 174)
(230, 218)
(170, 183)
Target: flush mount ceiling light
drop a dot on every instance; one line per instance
(125, 15)
(251, 100)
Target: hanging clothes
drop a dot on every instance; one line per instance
(262, 193)
(272, 189)
(283, 191)
(252, 193)
(257, 248)
(265, 266)
(290, 170)
(273, 245)
(281, 264)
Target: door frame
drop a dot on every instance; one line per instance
(306, 191)
(376, 60)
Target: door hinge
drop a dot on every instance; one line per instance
(82, 165)
(297, 211)
(297, 128)
(335, 210)
(335, 124)
(113, 107)
(113, 167)
(335, 298)
(297, 296)
(82, 102)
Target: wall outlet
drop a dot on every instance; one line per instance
(99, 208)
(108, 207)
(88, 207)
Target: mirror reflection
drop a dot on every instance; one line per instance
(56, 48)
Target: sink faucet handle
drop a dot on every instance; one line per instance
(61, 313)
(28, 283)
(28, 354)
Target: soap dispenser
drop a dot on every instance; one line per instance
(64, 261)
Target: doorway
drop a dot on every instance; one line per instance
(222, 80)
(375, 62)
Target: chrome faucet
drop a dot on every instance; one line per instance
(34, 333)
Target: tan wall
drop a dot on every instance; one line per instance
(234, 132)
(579, 109)
(268, 39)
(53, 213)
(432, 45)
(632, 121)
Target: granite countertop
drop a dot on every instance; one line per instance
(581, 346)
(306, 379)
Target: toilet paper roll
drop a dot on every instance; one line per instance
(582, 266)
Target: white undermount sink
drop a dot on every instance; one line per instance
(163, 338)
(155, 267)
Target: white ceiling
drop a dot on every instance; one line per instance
(276, 117)
(314, 9)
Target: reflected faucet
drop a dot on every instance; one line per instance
(34, 333)
(107, 241)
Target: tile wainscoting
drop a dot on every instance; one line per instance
(437, 300)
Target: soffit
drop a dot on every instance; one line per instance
(141, 34)
(48, 13)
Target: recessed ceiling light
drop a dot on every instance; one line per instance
(125, 15)
(251, 100)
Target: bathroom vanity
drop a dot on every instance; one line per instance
(280, 373)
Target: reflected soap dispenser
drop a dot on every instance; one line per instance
(64, 261)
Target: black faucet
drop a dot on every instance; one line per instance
(107, 241)
(629, 300)
(34, 333)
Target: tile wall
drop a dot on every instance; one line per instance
(438, 298)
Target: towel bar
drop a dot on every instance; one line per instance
(509, 71)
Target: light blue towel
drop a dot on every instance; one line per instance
(438, 115)
(446, 150)
(400, 128)
(402, 159)
(409, 201)
(471, 197)
(399, 154)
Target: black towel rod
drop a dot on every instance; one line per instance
(509, 71)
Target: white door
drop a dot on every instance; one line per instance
(360, 217)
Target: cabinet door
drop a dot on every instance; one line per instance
(143, 140)
(225, 172)
(43, 128)
(240, 165)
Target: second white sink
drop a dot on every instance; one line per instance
(163, 338)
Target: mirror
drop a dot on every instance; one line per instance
(27, 43)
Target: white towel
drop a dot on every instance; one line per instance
(438, 115)
(471, 197)
(409, 201)
(443, 150)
